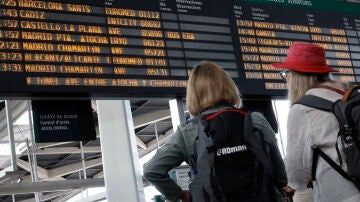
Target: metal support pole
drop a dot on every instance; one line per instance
(119, 150)
(33, 147)
(157, 135)
(30, 159)
(83, 159)
(10, 128)
(177, 112)
(81, 190)
(36, 195)
(83, 164)
(280, 131)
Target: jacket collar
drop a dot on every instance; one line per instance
(215, 109)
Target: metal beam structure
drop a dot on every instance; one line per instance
(31, 187)
(148, 118)
(75, 167)
(59, 172)
(96, 197)
(99, 174)
(18, 107)
(67, 196)
(68, 150)
(42, 173)
(46, 197)
(11, 176)
(153, 144)
(140, 143)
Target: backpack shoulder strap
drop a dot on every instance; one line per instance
(316, 102)
(254, 143)
(257, 146)
(319, 152)
(322, 104)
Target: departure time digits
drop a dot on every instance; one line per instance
(263, 43)
(76, 44)
(61, 42)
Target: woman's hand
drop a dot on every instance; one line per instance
(288, 192)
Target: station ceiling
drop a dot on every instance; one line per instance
(61, 161)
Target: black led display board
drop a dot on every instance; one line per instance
(146, 48)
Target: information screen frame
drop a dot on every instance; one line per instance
(138, 48)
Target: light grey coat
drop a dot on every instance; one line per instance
(307, 128)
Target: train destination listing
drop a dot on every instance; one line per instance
(141, 48)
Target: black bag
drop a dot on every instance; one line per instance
(232, 164)
(347, 112)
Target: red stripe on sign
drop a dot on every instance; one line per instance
(223, 111)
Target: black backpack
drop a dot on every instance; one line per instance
(232, 164)
(347, 112)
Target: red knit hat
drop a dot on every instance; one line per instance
(306, 58)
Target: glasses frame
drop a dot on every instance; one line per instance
(284, 74)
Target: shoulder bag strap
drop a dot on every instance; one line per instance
(319, 152)
(316, 102)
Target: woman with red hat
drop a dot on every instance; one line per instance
(306, 72)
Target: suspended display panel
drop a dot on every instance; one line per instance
(147, 48)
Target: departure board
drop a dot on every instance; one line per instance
(147, 48)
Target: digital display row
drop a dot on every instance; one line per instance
(147, 49)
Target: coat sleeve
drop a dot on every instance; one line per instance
(279, 173)
(298, 159)
(169, 156)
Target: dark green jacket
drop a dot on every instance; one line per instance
(180, 147)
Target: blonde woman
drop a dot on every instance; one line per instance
(306, 72)
(209, 89)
